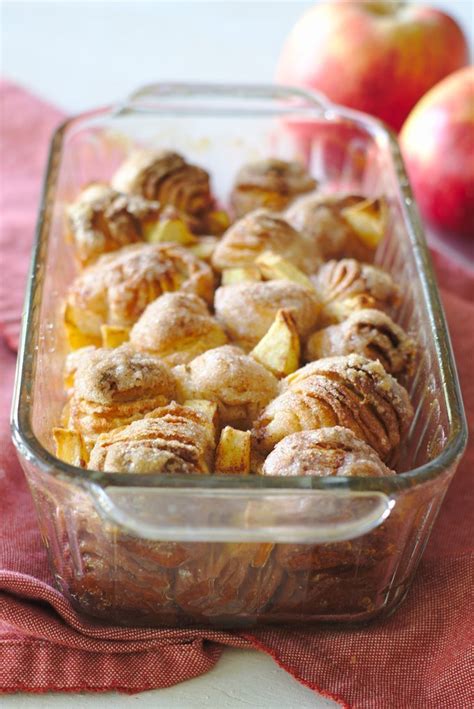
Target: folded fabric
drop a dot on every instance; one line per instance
(420, 657)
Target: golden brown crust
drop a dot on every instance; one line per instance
(178, 328)
(167, 177)
(350, 391)
(269, 183)
(246, 310)
(240, 385)
(371, 333)
(103, 220)
(319, 217)
(349, 285)
(327, 451)
(118, 287)
(259, 231)
(113, 387)
(171, 439)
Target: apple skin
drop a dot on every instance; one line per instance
(376, 57)
(437, 143)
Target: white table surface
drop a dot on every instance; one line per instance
(83, 54)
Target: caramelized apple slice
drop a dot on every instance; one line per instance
(367, 218)
(233, 452)
(279, 349)
(272, 266)
(114, 336)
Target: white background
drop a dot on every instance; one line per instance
(84, 54)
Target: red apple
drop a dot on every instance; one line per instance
(379, 57)
(437, 142)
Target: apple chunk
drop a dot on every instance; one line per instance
(233, 452)
(367, 218)
(69, 447)
(113, 336)
(237, 275)
(174, 230)
(279, 350)
(273, 266)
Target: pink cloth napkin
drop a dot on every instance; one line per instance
(420, 657)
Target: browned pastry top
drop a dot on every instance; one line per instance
(102, 220)
(259, 231)
(350, 391)
(167, 177)
(177, 327)
(269, 183)
(319, 217)
(171, 439)
(240, 385)
(368, 332)
(348, 285)
(246, 310)
(106, 376)
(327, 451)
(118, 287)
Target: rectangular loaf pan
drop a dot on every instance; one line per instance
(360, 538)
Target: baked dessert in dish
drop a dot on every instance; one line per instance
(188, 337)
(259, 231)
(350, 391)
(339, 226)
(371, 333)
(239, 385)
(246, 310)
(270, 183)
(177, 327)
(117, 288)
(103, 220)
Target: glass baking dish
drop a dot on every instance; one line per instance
(233, 550)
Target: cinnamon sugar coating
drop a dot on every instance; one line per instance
(319, 217)
(259, 231)
(246, 310)
(117, 288)
(112, 387)
(171, 439)
(371, 333)
(349, 285)
(324, 452)
(103, 220)
(270, 183)
(240, 385)
(167, 177)
(178, 327)
(350, 391)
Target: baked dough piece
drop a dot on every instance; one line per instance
(350, 391)
(327, 451)
(259, 231)
(118, 287)
(269, 183)
(178, 328)
(103, 220)
(112, 387)
(167, 177)
(240, 385)
(246, 310)
(171, 439)
(368, 332)
(320, 217)
(349, 285)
